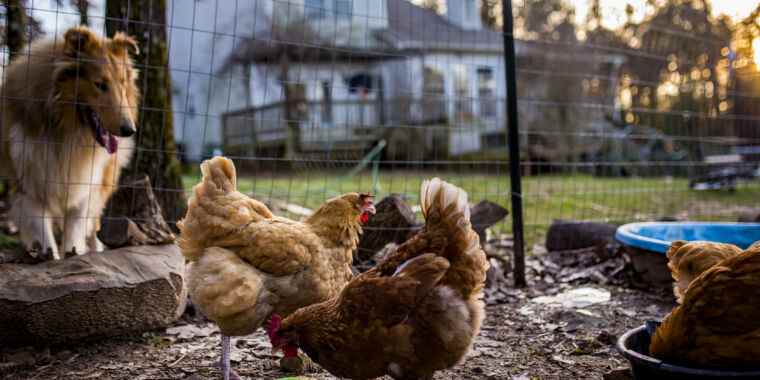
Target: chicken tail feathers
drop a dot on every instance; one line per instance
(441, 195)
(218, 175)
(216, 209)
(445, 206)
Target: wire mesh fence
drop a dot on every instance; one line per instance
(642, 117)
(348, 96)
(623, 110)
(627, 112)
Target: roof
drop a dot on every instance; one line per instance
(411, 28)
(414, 27)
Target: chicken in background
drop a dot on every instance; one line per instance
(415, 313)
(717, 324)
(687, 260)
(246, 264)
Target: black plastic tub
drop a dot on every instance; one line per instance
(634, 345)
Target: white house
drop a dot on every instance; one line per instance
(358, 70)
(365, 69)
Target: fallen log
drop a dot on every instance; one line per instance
(133, 217)
(749, 216)
(568, 235)
(394, 222)
(485, 215)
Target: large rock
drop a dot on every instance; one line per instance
(102, 294)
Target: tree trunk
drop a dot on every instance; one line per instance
(82, 7)
(247, 78)
(293, 142)
(156, 153)
(15, 21)
(15, 18)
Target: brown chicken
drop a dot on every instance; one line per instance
(687, 261)
(247, 263)
(416, 312)
(717, 323)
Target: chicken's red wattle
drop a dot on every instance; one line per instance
(290, 351)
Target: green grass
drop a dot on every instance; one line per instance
(8, 242)
(546, 198)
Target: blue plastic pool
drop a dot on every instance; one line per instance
(657, 236)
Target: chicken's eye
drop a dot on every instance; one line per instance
(102, 86)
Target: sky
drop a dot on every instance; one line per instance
(614, 10)
(57, 18)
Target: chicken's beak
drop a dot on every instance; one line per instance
(369, 208)
(278, 345)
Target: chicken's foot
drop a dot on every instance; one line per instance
(224, 362)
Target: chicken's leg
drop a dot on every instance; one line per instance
(224, 362)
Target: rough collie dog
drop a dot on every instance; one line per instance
(69, 107)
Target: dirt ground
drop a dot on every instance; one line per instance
(521, 338)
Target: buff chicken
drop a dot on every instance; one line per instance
(247, 264)
(687, 260)
(717, 323)
(413, 314)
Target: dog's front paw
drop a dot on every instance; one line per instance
(75, 247)
(38, 253)
(96, 245)
(75, 251)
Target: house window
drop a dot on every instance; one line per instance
(487, 92)
(434, 95)
(314, 8)
(344, 8)
(462, 101)
(360, 84)
(327, 102)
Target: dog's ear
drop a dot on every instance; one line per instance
(65, 76)
(122, 43)
(67, 71)
(78, 40)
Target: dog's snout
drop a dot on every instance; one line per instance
(127, 128)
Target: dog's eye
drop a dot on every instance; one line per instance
(102, 86)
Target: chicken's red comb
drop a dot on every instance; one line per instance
(272, 326)
(275, 320)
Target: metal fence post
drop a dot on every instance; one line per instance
(514, 143)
